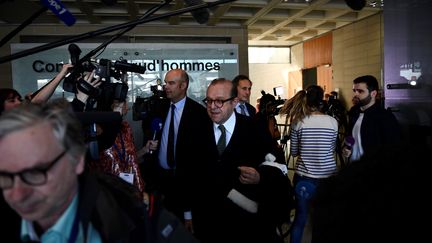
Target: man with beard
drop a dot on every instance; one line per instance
(369, 123)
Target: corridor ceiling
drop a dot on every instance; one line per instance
(269, 22)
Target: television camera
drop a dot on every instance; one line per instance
(152, 106)
(269, 105)
(104, 69)
(100, 116)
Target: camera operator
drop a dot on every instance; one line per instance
(265, 119)
(334, 108)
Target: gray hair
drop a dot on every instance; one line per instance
(58, 113)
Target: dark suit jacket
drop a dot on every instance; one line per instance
(175, 185)
(217, 218)
(119, 215)
(251, 110)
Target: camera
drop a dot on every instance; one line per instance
(105, 69)
(152, 106)
(269, 105)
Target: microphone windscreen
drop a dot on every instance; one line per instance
(200, 15)
(156, 124)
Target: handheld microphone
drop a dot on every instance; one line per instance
(59, 9)
(156, 126)
(349, 142)
(200, 15)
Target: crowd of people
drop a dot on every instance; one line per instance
(213, 172)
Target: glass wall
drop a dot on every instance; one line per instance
(203, 62)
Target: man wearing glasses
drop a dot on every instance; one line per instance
(42, 178)
(228, 212)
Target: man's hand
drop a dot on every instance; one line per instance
(151, 145)
(249, 175)
(346, 153)
(95, 82)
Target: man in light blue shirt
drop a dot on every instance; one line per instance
(58, 201)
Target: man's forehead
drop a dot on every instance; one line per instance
(245, 82)
(362, 86)
(31, 143)
(219, 90)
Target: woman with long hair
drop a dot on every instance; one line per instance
(313, 141)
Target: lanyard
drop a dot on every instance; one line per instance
(75, 229)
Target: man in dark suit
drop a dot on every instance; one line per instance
(174, 162)
(243, 86)
(227, 210)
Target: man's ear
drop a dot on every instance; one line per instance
(79, 167)
(183, 85)
(374, 93)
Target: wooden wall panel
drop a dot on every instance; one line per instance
(294, 82)
(318, 51)
(324, 78)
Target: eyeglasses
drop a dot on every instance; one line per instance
(218, 103)
(34, 176)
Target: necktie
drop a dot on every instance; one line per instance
(242, 108)
(221, 144)
(170, 146)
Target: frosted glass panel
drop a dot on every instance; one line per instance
(203, 62)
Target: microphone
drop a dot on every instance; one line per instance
(59, 9)
(74, 52)
(156, 126)
(349, 142)
(200, 15)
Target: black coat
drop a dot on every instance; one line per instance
(217, 218)
(379, 127)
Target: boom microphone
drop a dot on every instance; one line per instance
(349, 142)
(59, 9)
(200, 15)
(156, 126)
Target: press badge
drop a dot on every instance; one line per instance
(129, 177)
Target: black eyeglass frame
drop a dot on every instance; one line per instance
(208, 102)
(29, 173)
